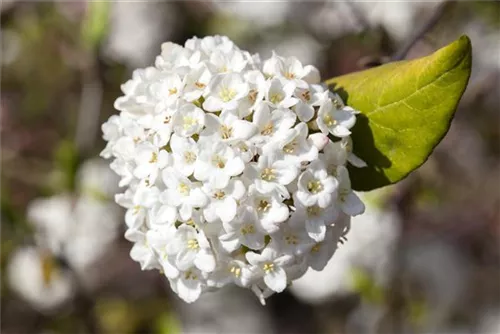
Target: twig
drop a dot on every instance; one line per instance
(428, 26)
(89, 110)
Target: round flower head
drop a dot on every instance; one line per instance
(226, 180)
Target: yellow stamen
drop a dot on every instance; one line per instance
(227, 94)
(219, 194)
(226, 132)
(268, 129)
(247, 229)
(329, 120)
(263, 205)
(184, 189)
(268, 267)
(189, 157)
(189, 122)
(314, 187)
(200, 85)
(276, 98)
(268, 174)
(236, 271)
(218, 162)
(193, 244)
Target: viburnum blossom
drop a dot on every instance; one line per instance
(235, 168)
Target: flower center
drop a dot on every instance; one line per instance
(336, 103)
(227, 94)
(189, 157)
(289, 75)
(154, 158)
(252, 95)
(184, 189)
(247, 229)
(226, 132)
(314, 186)
(190, 275)
(263, 205)
(268, 129)
(189, 122)
(329, 120)
(193, 244)
(316, 248)
(290, 147)
(218, 161)
(219, 194)
(268, 174)
(172, 91)
(268, 267)
(306, 95)
(276, 98)
(235, 270)
(199, 85)
(291, 239)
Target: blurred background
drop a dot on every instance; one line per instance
(423, 259)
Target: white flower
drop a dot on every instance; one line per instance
(185, 153)
(309, 98)
(221, 62)
(247, 194)
(224, 201)
(160, 126)
(216, 164)
(196, 83)
(269, 207)
(315, 186)
(228, 128)
(141, 251)
(244, 230)
(271, 175)
(168, 89)
(181, 192)
(150, 160)
(338, 122)
(279, 93)
(189, 285)
(269, 264)
(235, 271)
(191, 248)
(340, 152)
(270, 125)
(349, 201)
(225, 92)
(291, 69)
(294, 145)
(316, 219)
(188, 120)
(39, 279)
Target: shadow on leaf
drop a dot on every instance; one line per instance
(363, 179)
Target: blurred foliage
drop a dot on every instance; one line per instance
(95, 23)
(66, 162)
(364, 284)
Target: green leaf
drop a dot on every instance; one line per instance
(406, 109)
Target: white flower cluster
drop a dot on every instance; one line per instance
(226, 181)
